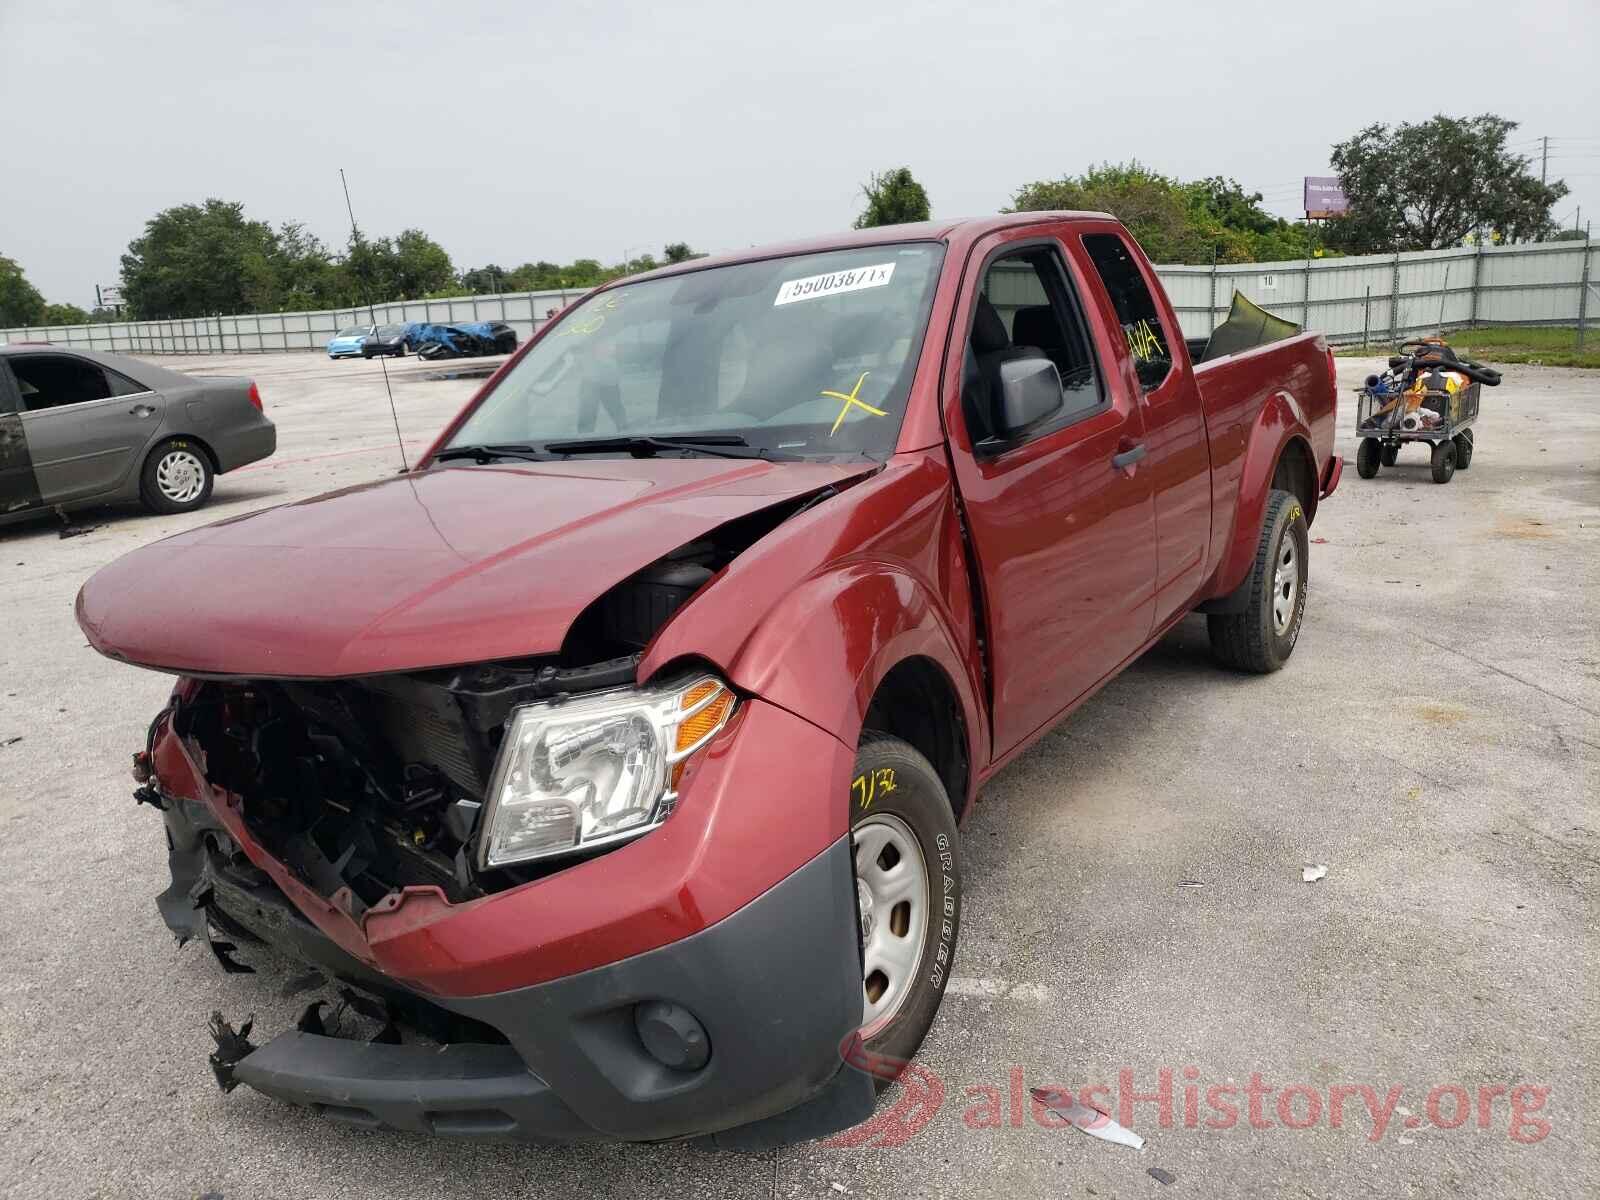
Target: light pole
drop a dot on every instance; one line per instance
(626, 254)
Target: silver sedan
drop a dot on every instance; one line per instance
(79, 428)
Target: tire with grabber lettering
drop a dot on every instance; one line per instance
(1261, 636)
(908, 895)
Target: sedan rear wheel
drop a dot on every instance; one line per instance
(177, 477)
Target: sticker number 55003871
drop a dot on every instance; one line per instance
(834, 283)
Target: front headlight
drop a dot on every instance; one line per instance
(583, 772)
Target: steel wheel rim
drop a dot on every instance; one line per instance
(894, 903)
(180, 476)
(1285, 586)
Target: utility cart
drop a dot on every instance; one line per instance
(1429, 394)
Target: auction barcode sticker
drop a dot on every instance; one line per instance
(834, 283)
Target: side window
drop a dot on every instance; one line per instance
(1026, 310)
(1136, 307)
(56, 380)
(121, 385)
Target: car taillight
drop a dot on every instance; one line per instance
(255, 396)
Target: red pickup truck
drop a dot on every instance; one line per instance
(617, 752)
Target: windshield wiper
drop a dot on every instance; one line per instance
(488, 453)
(720, 445)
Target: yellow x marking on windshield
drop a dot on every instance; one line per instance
(852, 398)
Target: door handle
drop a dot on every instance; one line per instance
(1128, 457)
(142, 410)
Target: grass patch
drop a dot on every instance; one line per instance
(1548, 346)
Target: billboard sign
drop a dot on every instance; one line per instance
(110, 295)
(1325, 197)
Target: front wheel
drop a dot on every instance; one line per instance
(1463, 442)
(1367, 457)
(1391, 455)
(177, 477)
(1261, 636)
(908, 894)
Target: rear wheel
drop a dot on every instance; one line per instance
(1444, 461)
(1261, 636)
(177, 477)
(1367, 455)
(908, 894)
(1463, 449)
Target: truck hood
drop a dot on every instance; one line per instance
(452, 565)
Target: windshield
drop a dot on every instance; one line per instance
(353, 331)
(389, 331)
(810, 355)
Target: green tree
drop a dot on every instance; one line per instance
(63, 314)
(1237, 221)
(1158, 211)
(483, 281)
(534, 277)
(678, 252)
(20, 302)
(301, 273)
(408, 267)
(893, 197)
(1426, 186)
(198, 259)
(1175, 222)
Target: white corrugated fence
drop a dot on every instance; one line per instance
(1377, 298)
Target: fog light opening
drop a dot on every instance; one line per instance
(672, 1035)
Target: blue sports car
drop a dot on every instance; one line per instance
(347, 343)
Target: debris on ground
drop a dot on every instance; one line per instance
(1090, 1120)
(1161, 1176)
(232, 1047)
(71, 531)
(12, 741)
(1313, 872)
(1191, 883)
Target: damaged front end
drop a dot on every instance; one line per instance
(346, 822)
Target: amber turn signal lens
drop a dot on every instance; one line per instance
(709, 719)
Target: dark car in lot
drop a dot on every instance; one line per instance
(465, 339)
(80, 428)
(389, 341)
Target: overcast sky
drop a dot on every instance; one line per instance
(518, 132)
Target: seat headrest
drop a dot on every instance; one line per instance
(988, 330)
(1036, 325)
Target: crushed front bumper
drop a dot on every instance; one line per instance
(775, 987)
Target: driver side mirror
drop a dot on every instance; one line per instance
(1030, 391)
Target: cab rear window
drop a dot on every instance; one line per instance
(1136, 308)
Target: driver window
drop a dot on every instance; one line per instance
(1026, 309)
